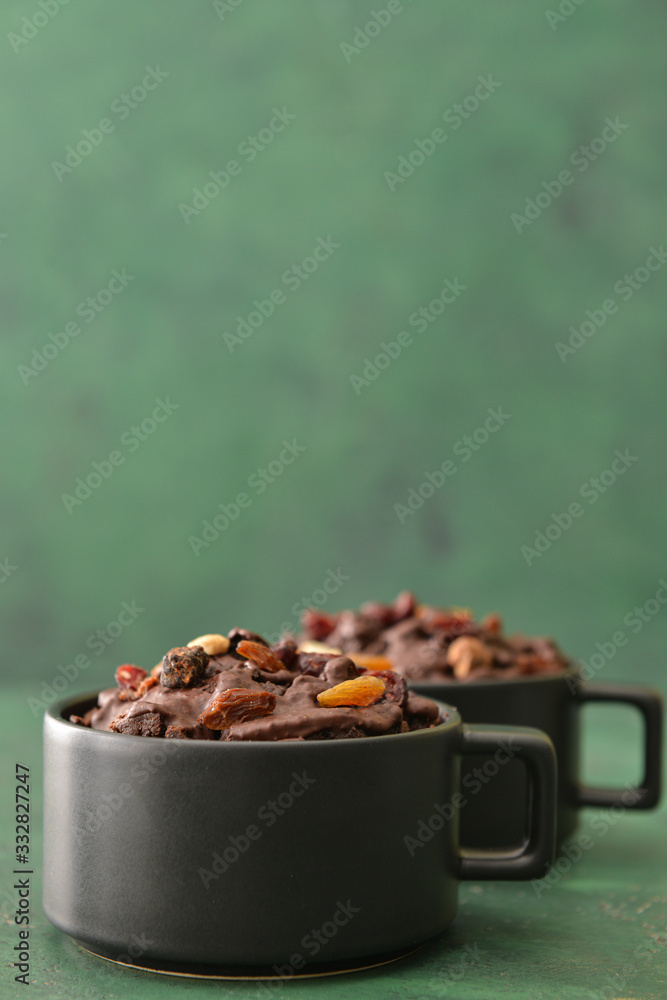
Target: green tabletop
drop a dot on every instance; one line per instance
(598, 932)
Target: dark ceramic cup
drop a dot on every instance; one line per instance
(279, 855)
(551, 703)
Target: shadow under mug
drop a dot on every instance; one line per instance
(552, 704)
(283, 855)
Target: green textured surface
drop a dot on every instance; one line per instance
(598, 934)
(333, 509)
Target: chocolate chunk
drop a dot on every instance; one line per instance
(144, 724)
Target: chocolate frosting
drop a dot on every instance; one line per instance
(173, 712)
(417, 641)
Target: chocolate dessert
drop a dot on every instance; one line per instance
(424, 643)
(238, 687)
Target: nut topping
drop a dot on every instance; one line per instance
(465, 653)
(214, 645)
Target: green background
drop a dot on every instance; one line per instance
(333, 509)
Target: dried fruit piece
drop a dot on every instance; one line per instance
(493, 624)
(360, 691)
(132, 695)
(370, 662)
(129, 677)
(236, 705)
(237, 635)
(214, 645)
(285, 650)
(261, 656)
(467, 652)
(318, 624)
(312, 664)
(396, 689)
(183, 666)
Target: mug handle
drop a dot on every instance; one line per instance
(536, 854)
(649, 703)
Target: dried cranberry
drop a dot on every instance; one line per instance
(129, 677)
(318, 624)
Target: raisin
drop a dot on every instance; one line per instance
(129, 677)
(236, 705)
(360, 691)
(396, 689)
(260, 656)
(318, 624)
(285, 650)
(183, 666)
(312, 664)
(237, 635)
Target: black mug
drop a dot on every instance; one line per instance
(551, 703)
(186, 855)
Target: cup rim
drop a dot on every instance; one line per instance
(450, 719)
(494, 682)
